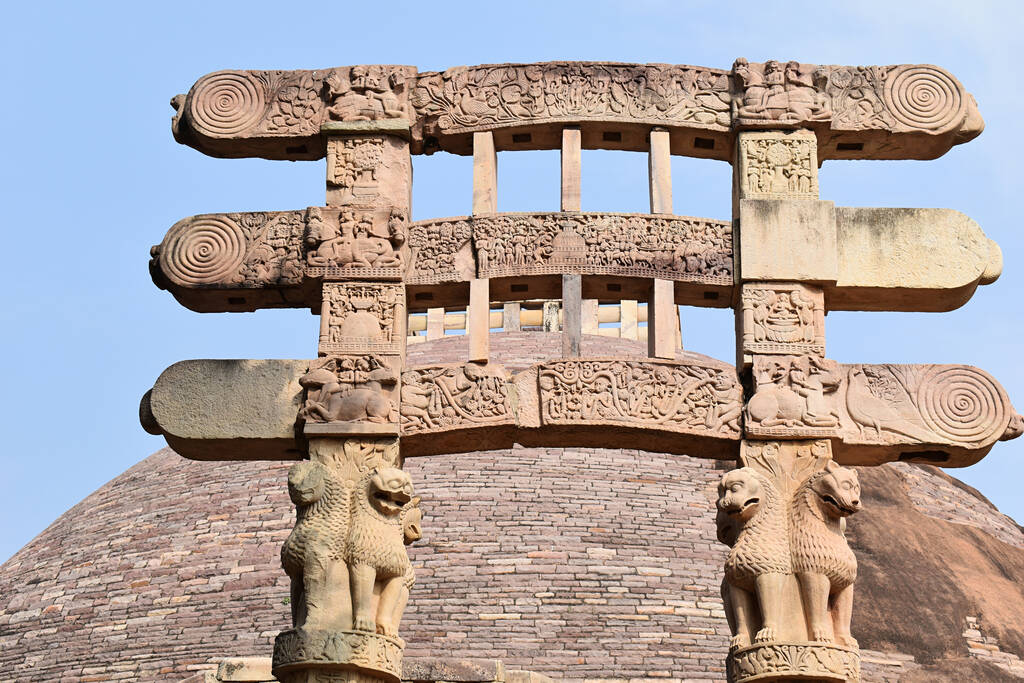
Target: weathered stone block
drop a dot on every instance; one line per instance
(791, 240)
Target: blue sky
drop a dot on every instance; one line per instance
(91, 178)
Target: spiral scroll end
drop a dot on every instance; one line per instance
(1014, 429)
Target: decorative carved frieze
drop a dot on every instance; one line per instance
(777, 165)
(486, 97)
(945, 406)
(782, 319)
(677, 248)
(446, 397)
(671, 396)
(790, 572)
(351, 389)
(919, 97)
(442, 251)
(362, 317)
(375, 655)
(236, 250)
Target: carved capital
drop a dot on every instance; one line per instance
(374, 655)
(782, 662)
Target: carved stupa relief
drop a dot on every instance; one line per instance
(361, 316)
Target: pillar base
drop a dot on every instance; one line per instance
(766, 662)
(302, 655)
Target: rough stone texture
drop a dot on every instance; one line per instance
(576, 563)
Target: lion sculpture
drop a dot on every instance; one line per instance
(312, 555)
(824, 565)
(752, 515)
(375, 548)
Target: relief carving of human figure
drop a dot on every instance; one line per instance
(366, 95)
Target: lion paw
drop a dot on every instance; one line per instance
(364, 624)
(848, 641)
(387, 630)
(765, 635)
(820, 634)
(739, 640)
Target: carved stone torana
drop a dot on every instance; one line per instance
(777, 165)
(362, 317)
(442, 251)
(453, 396)
(672, 396)
(789, 576)
(351, 389)
(368, 170)
(781, 319)
(347, 244)
(678, 248)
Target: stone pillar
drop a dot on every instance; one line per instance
(662, 322)
(510, 320)
(788, 601)
(354, 502)
(572, 315)
(660, 169)
(435, 323)
(485, 200)
(628, 319)
(571, 146)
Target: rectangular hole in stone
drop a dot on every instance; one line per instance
(703, 143)
(520, 288)
(925, 456)
(300, 149)
(236, 300)
(614, 287)
(424, 296)
(710, 296)
(850, 147)
(522, 137)
(611, 136)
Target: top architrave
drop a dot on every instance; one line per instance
(863, 112)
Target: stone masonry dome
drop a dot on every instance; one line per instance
(575, 563)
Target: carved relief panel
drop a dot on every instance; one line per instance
(794, 396)
(362, 317)
(352, 389)
(368, 170)
(446, 397)
(442, 251)
(353, 243)
(678, 248)
(678, 397)
(464, 99)
(782, 319)
(777, 165)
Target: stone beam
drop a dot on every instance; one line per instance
(948, 415)
(874, 112)
(866, 259)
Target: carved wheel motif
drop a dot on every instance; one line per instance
(962, 404)
(924, 97)
(204, 251)
(226, 103)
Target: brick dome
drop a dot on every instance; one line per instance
(577, 563)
